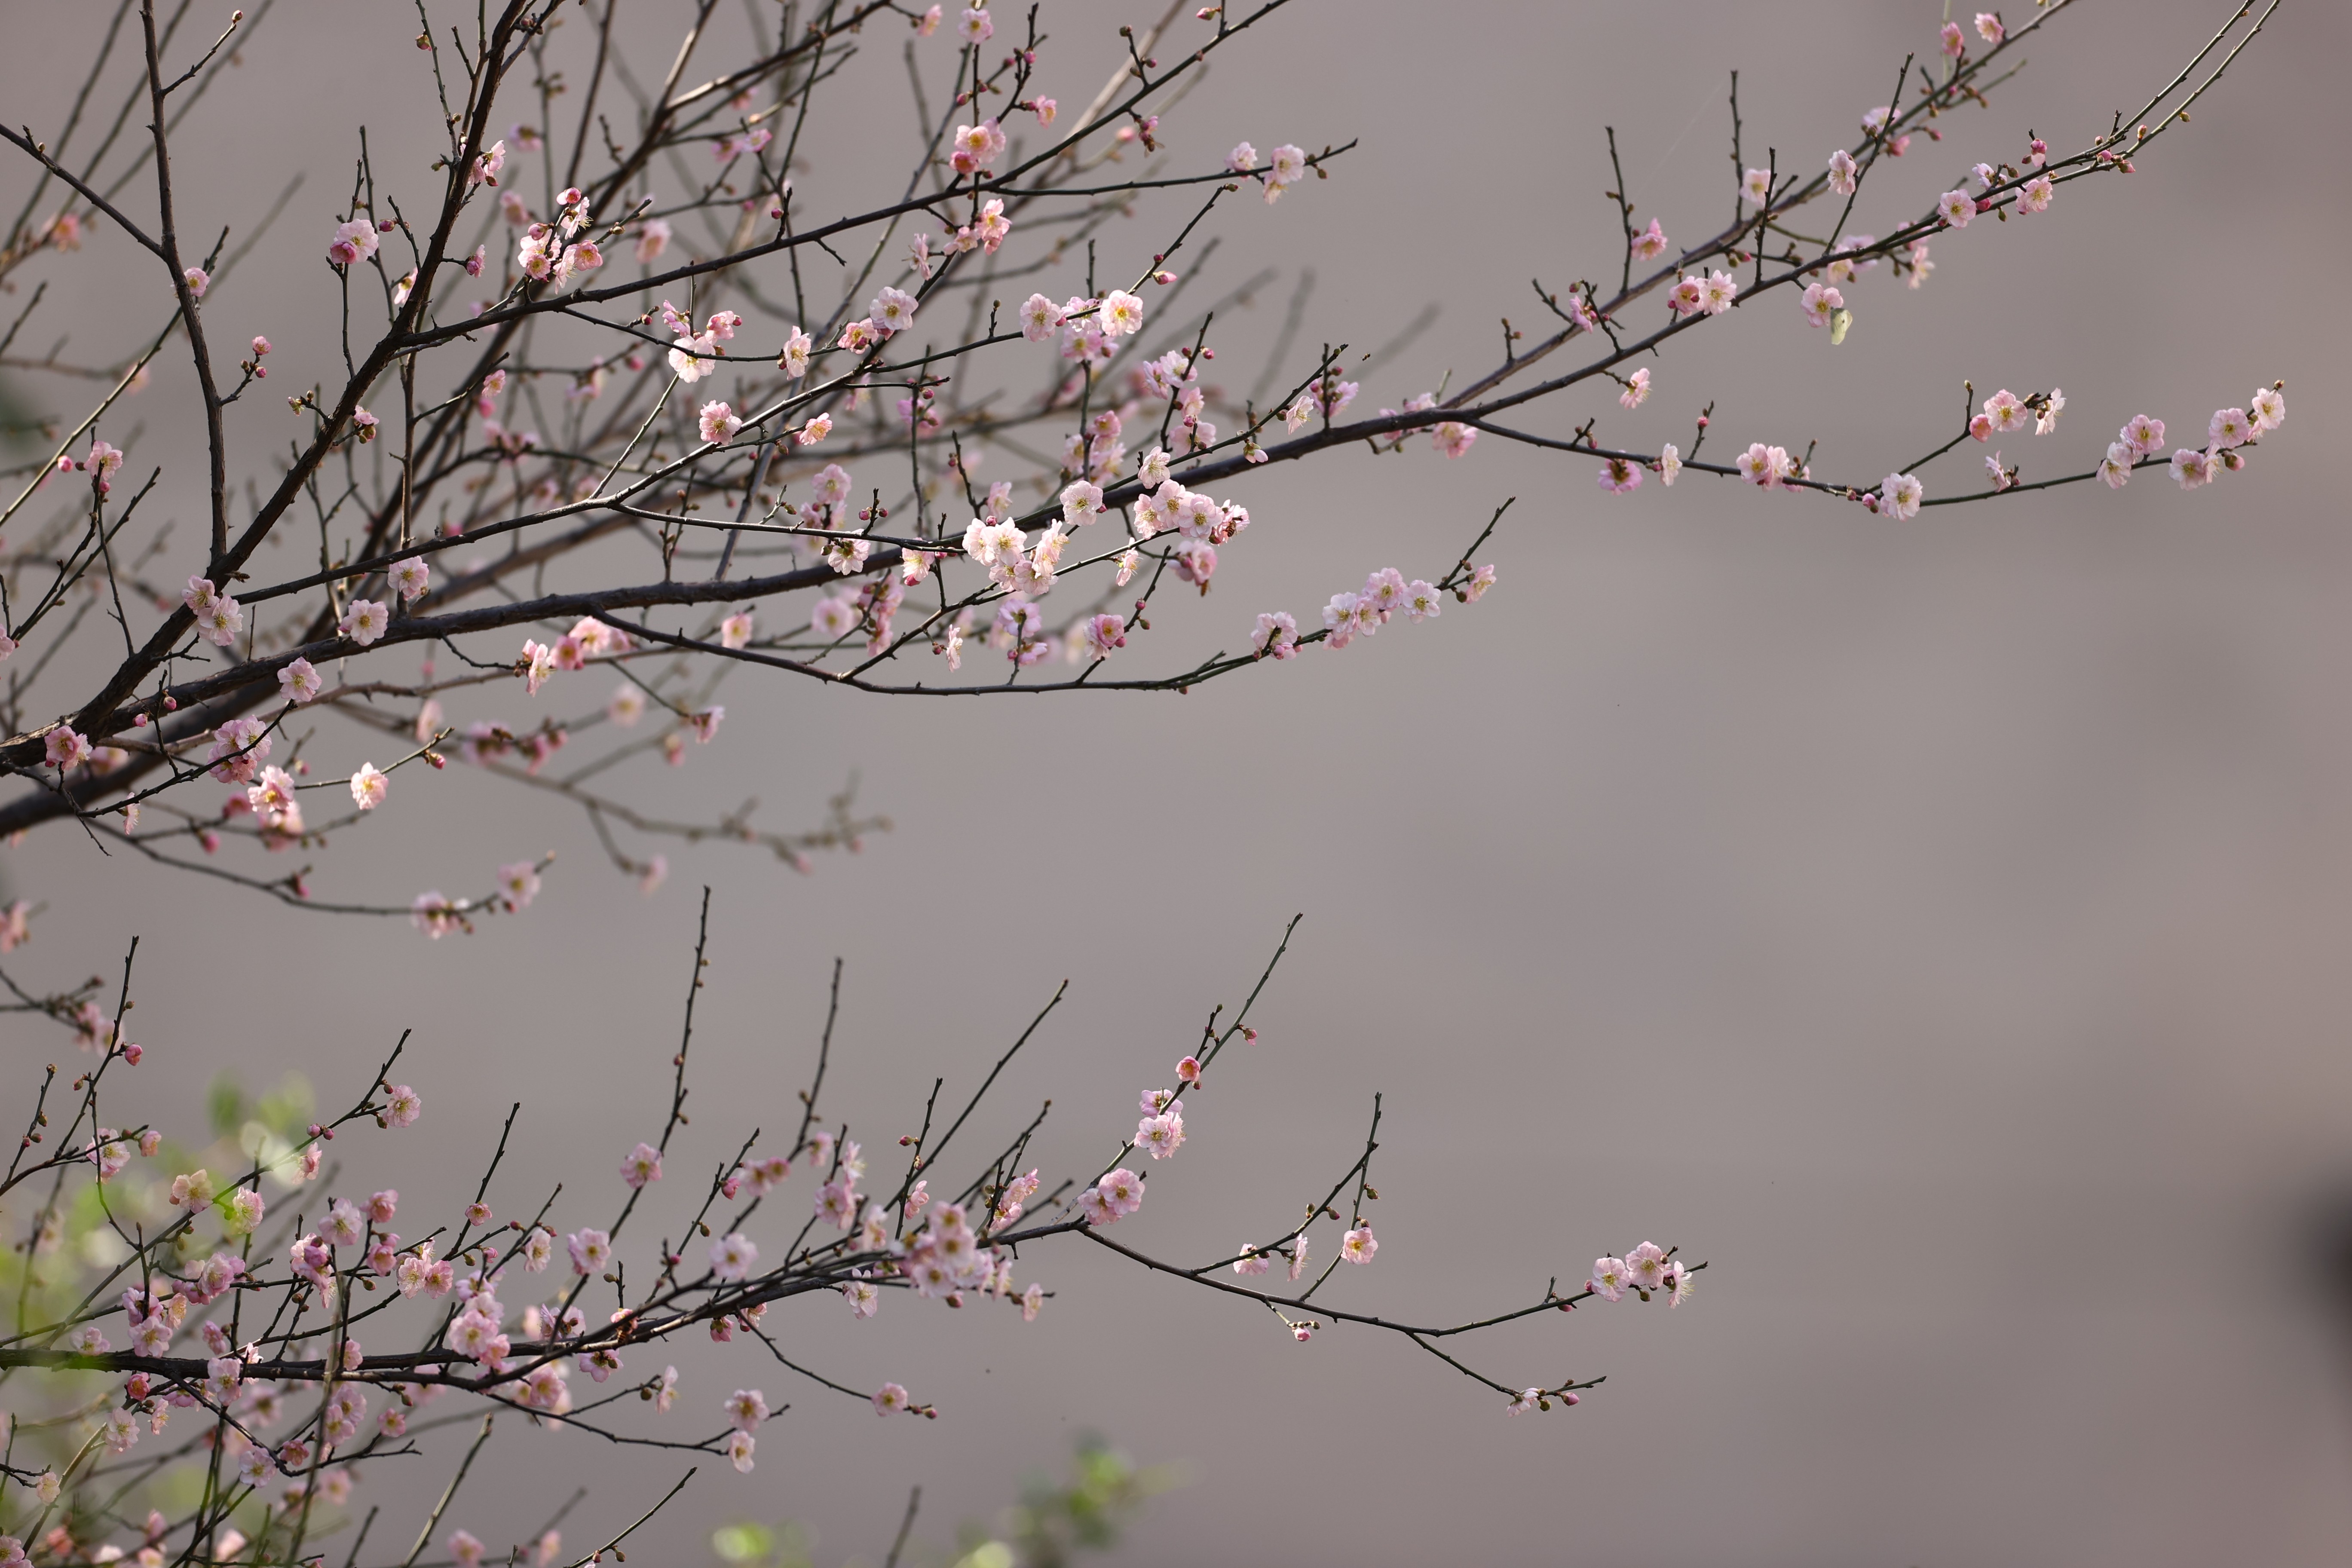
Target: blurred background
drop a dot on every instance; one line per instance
(1937, 928)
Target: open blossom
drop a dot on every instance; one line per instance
(411, 577)
(2007, 411)
(2114, 468)
(889, 1399)
(694, 357)
(2229, 427)
(1900, 497)
(2034, 196)
(1756, 185)
(1953, 42)
(719, 423)
(745, 1408)
(733, 1256)
(641, 1164)
(794, 361)
(2193, 467)
(2144, 435)
(65, 748)
(1645, 1266)
(592, 1251)
(2052, 407)
(1842, 171)
(1288, 166)
(975, 147)
(354, 242)
(893, 310)
(1988, 27)
(973, 25)
(1040, 317)
(221, 621)
(2268, 410)
(1717, 292)
(1610, 1278)
(1637, 389)
(1276, 635)
(368, 787)
(1620, 475)
(1669, 463)
(1160, 1136)
(364, 620)
(1358, 1245)
(1651, 243)
(1121, 313)
(1818, 302)
(1252, 1261)
(1956, 208)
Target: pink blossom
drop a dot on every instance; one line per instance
(354, 242)
(889, 1399)
(732, 1256)
(719, 423)
(592, 1251)
(640, 1165)
(65, 748)
(1358, 1245)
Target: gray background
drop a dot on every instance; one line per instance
(1935, 927)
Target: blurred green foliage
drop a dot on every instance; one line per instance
(1049, 1528)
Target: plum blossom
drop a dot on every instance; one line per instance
(1040, 317)
(893, 310)
(354, 243)
(368, 787)
(640, 1165)
(65, 748)
(2114, 468)
(1288, 166)
(1358, 1245)
(1120, 313)
(733, 1256)
(719, 423)
(2052, 407)
(1955, 208)
(1842, 171)
(592, 1251)
(364, 620)
(1900, 497)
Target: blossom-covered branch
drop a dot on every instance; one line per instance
(534, 465)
